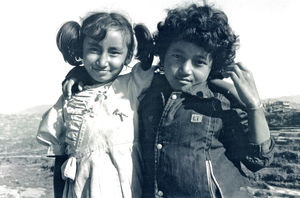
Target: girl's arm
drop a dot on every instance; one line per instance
(51, 130)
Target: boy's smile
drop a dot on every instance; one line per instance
(186, 64)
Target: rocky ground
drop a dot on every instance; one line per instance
(26, 172)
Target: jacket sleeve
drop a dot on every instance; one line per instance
(140, 79)
(235, 134)
(51, 130)
(80, 74)
(239, 149)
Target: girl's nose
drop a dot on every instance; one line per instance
(102, 61)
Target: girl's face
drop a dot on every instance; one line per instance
(104, 59)
(186, 64)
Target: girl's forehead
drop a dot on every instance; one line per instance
(112, 38)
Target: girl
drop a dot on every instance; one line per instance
(97, 128)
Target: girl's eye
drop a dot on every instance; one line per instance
(115, 52)
(96, 50)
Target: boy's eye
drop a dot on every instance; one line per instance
(178, 57)
(199, 62)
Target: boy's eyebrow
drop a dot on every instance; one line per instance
(178, 50)
(203, 56)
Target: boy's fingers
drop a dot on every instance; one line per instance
(65, 88)
(241, 66)
(80, 86)
(70, 84)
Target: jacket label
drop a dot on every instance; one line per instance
(196, 118)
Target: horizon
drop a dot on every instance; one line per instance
(33, 68)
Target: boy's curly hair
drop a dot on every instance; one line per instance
(204, 26)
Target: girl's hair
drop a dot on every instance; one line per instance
(202, 25)
(70, 36)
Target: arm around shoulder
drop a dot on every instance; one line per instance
(141, 78)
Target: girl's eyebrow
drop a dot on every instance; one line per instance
(93, 43)
(116, 48)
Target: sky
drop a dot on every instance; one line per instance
(32, 68)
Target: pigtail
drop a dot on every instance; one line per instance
(144, 46)
(69, 43)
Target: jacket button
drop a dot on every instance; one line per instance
(159, 146)
(160, 193)
(174, 97)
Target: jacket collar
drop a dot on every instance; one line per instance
(200, 89)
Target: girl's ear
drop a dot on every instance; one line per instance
(128, 59)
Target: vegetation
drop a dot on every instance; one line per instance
(23, 163)
(283, 119)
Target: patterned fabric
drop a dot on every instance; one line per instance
(97, 128)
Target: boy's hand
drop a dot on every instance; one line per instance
(244, 83)
(71, 86)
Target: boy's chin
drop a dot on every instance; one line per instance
(182, 87)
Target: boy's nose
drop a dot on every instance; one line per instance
(186, 67)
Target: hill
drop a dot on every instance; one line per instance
(40, 109)
(292, 99)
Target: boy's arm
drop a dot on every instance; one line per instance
(74, 81)
(140, 79)
(236, 131)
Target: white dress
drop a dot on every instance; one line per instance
(98, 129)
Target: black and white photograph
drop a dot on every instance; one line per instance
(150, 99)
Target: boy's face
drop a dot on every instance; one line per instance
(186, 64)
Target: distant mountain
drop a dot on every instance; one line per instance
(293, 99)
(40, 109)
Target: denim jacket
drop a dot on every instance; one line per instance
(194, 143)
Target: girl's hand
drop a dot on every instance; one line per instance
(244, 83)
(71, 86)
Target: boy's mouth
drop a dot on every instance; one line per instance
(100, 70)
(184, 80)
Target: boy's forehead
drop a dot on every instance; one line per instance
(186, 47)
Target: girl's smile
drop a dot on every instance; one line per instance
(104, 59)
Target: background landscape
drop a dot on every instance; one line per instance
(25, 171)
